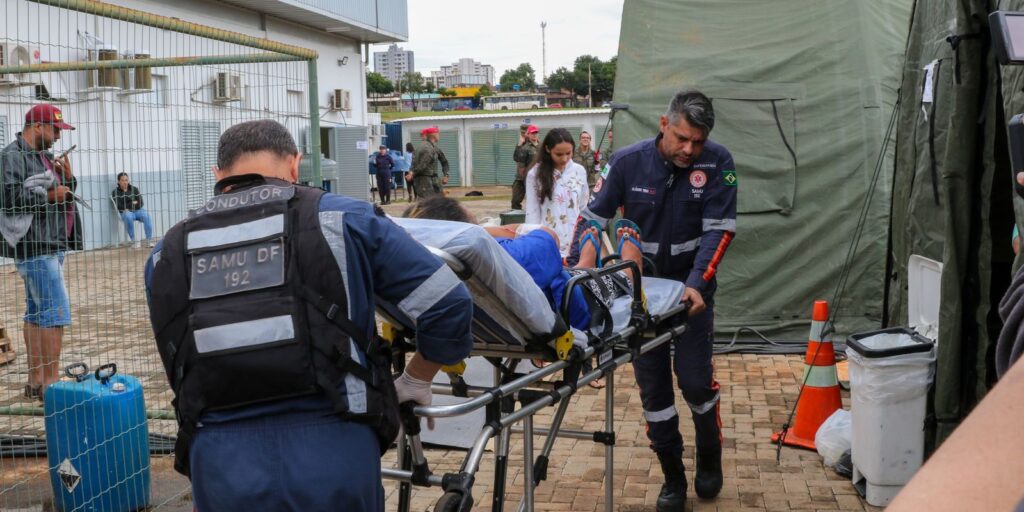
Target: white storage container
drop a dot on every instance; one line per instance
(890, 373)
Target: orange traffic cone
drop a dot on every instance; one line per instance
(820, 396)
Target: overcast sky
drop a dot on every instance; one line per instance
(506, 34)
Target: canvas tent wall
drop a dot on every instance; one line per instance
(803, 92)
(952, 195)
(825, 76)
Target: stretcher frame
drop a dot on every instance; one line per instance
(531, 392)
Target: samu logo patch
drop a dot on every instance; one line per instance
(729, 178)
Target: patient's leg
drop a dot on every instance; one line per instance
(588, 253)
(631, 251)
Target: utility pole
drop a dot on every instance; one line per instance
(543, 52)
(590, 89)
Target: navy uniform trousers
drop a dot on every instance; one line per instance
(689, 355)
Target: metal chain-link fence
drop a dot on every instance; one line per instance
(148, 97)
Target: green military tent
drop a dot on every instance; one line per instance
(844, 171)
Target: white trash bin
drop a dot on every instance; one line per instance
(890, 373)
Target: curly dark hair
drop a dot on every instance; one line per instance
(546, 165)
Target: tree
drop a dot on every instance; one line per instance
(485, 90)
(377, 84)
(523, 75)
(411, 82)
(563, 78)
(601, 81)
(429, 87)
(446, 93)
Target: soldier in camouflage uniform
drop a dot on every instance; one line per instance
(525, 156)
(586, 157)
(424, 165)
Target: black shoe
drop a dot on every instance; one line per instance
(708, 481)
(34, 392)
(672, 497)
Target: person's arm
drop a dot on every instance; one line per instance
(137, 196)
(444, 162)
(518, 230)
(584, 188)
(425, 289)
(719, 226)
(533, 201)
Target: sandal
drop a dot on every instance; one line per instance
(628, 224)
(588, 237)
(597, 383)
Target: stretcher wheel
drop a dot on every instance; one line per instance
(452, 502)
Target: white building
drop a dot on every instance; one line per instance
(464, 73)
(163, 131)
(394, 63)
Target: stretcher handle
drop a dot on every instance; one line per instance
(77, 371)
(410, 422)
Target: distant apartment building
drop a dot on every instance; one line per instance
(394, 63)
(464, 73)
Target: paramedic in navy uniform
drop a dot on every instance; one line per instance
(262, 303)
(680, 189)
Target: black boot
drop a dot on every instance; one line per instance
(673, 493)
(708, 481)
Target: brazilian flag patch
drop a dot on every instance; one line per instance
(729, 177)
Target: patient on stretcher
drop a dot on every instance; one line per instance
(535, 248)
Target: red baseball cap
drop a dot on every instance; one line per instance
(47, 114)
(532, 129)
(428, 130)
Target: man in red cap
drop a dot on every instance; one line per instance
(39, 224)
(424, 165)
(525, 156)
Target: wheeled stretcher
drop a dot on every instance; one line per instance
(513, 322)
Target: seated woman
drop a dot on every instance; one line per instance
(128, 201)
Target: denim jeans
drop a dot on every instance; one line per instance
(140, 215)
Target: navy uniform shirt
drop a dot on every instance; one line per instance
(687, 217)
(379, 261)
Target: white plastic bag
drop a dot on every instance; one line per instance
(833, 437)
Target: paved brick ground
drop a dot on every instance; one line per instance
(757, 391)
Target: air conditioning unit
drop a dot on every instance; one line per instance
(229, 87)
(12, 54)
(341, 100)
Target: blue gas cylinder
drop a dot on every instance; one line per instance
(97, 441)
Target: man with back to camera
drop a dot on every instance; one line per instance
(262, 305)
(39, 225)
(424, 165)
(680, 189)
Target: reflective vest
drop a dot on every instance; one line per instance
(249, 306)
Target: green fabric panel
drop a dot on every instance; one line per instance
(832, 69)
(449, 143)
(492, 156)
(485, 166)
(504, 147)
